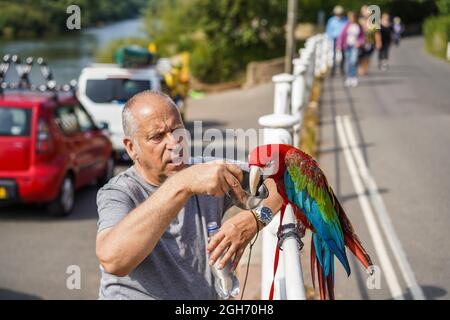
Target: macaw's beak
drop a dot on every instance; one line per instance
(255, 181)
(254, 188)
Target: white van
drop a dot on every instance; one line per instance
(103, 89)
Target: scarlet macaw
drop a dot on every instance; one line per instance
(302, 184)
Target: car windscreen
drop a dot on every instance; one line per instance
(114, 90)
(15, 121)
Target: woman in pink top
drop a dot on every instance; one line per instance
(349, 41)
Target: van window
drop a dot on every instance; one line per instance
(114, 90)
(15, 121)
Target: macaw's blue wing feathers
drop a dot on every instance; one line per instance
(307, 188)
(329, 231)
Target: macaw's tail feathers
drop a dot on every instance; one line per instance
(355, 246)
(351, 239)
(323, 259)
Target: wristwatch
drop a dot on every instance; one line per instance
(263, 214)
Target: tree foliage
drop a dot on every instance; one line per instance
(33, 18)
(223, 35)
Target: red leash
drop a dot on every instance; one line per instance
(277, 253)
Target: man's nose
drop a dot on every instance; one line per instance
(173, 140)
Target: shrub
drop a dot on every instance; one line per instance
(436, 31)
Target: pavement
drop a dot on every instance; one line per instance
(397, 169)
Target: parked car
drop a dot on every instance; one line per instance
(49, 146)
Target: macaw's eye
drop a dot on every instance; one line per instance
(270, 168)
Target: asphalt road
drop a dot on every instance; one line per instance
(400, 120)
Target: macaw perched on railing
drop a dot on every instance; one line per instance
(302, 184)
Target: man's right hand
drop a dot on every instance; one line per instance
(213, 178)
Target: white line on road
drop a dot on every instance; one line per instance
(380, 248)
(383, 215)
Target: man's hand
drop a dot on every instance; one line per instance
(213, 178)
(235, 234)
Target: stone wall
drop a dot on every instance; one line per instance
(260, 72)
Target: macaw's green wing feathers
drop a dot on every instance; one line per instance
(306, 186)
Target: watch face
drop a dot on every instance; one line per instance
(266, 213)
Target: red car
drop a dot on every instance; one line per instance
(49, 146)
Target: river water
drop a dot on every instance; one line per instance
(69, 53)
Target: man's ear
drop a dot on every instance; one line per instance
(131, 148)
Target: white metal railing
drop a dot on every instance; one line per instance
(292, 93)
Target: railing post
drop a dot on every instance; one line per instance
(292, 244)
(318, 57)
(298, 97)
(330, 53)
(282, 92)
(307, 56)
(448, 50)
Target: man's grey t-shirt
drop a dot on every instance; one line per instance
(177, 268)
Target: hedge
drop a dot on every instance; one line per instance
(436, 31)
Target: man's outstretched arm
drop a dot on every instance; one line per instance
(121, 248)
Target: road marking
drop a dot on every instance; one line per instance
(383, 215)
(380, 248)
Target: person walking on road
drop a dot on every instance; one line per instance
(333, 30)
(397, 30)
(371, 40)
(350, 41)
(386, 38)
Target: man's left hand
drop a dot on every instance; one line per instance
(234, 235)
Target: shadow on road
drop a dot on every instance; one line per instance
(85, 208)
(6, 294)
(432, 292)
(339, 149)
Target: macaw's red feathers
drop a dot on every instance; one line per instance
(351, 239)
(322, 283)
(330, 286)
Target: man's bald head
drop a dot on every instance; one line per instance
(152, 100)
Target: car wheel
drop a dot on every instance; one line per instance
(63, 204)
(108, 173)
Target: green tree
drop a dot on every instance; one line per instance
(223, 35)
(32, 18)
(443, 6)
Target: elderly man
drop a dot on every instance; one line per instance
(152, 240)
